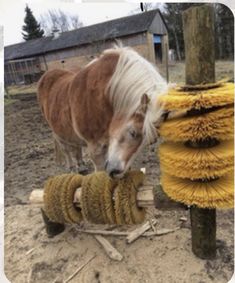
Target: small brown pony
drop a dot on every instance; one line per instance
(111, 105)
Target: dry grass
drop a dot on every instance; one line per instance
(9, 97)
(223, 69)
(12, 90)
(8, 101)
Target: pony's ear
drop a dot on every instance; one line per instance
(142, 108)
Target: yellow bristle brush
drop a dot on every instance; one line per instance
(218, 124)
(213, 194)
(194, 163)
(181, 99)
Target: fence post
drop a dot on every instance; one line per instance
(198, 23)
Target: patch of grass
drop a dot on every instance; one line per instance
(223, 69)
(8, 101)
(16, 89)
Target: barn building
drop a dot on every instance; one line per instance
(146, 33)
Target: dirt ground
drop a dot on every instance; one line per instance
(32, 257)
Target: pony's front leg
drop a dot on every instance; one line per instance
(80, 158)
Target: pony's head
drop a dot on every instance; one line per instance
(133, 90)
(126, 137)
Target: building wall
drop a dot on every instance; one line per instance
(77, 62)
(158, 26)
(150, 46)
(78, 57)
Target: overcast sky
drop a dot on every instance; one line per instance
(12, 13)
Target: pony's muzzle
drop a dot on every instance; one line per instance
(113, 169)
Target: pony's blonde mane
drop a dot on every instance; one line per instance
(133, 77)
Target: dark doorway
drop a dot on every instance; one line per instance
(158, 47)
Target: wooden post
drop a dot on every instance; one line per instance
(163, 202)
(198, 23)
(199, 42)
(203, 229)
(167, 63)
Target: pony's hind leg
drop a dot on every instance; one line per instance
(59, 154)
(70, 155)
(63, 154)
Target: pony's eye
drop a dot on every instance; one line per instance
(133, 134)
(104, 147)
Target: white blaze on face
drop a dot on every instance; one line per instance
(124, 146)
(115, 156)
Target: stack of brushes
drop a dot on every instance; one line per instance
(197, 155)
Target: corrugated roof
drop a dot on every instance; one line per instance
(107, 30)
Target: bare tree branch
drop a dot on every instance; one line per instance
(58, 19)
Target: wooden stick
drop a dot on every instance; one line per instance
(30, 251)
(152, 225)
(103, 232)
(126, 233)
(160, 232)
(132, 236)
(78, 270)
(109, 249)
(144, 196)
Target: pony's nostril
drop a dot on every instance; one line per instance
(114, 172)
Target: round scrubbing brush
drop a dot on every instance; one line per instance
(105, 200)
(191, 99)
(96, 200)
(126, 209)
(218, 124)
(197, 163)
(217, 193)
(58, 198)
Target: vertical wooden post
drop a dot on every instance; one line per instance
(167, 63)
(199, 42)
(198, 23)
